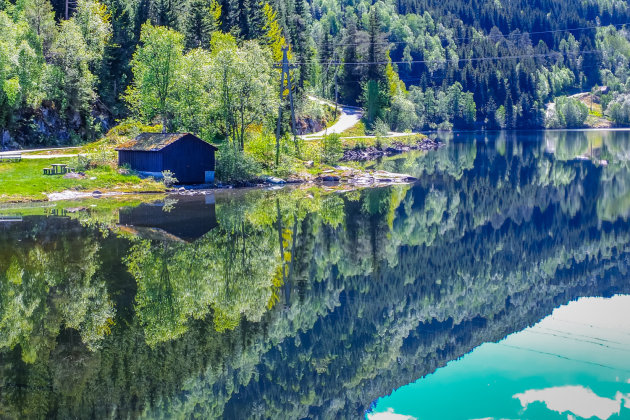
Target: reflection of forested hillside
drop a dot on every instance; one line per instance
(305, 304)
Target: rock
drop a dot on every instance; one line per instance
(330, 178)
(309, 164)
(274, 180)
(73, 175)
(96, 193)
(6, 139)
(328, 171)
(182, 189)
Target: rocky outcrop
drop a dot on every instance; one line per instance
(45, 126)
(373, 153)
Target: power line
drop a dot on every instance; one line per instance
(560, 356)
(457, 60)
(510, 35)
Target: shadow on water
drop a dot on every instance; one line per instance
(306, 303)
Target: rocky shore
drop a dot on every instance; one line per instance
(373, 153)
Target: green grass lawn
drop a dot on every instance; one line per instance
(24, 181)
(356, 131)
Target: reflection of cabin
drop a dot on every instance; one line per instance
(185, 218)
(187, 156)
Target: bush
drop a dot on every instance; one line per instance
(402, 114)
(235, 166)
(332, 149)
(81, 163)
(619, 109)
(169, 178)
(263, 147)
(381, 128)
(569, 113)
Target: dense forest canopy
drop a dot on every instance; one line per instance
(69, 70)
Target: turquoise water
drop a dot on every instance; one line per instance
(573, 364)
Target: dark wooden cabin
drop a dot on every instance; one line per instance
(191, 159)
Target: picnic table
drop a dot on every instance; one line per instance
(59, 168)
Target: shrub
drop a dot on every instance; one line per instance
(332, 148)
(381, 128)
(568, 113)
(234, 165)
(169, 178)
(82, 163)
(619, 109)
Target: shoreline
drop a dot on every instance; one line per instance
(337, 176)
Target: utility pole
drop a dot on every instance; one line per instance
(74, 3)
(336, 90)
(285, 67)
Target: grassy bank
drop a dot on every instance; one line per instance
(24, 181)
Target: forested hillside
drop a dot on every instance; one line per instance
(69, 71)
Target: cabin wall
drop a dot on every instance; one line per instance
(141, 160)
(189, 159)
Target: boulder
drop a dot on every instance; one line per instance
(274, 180)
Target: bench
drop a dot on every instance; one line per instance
(10, 157)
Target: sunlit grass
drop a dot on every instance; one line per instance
(24, 181)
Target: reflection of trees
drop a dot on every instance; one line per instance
(567, 145)
(614, 201)
(50, 283)
(304, 304)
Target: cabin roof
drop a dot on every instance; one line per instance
(154, 142)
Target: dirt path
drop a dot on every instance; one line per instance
(349, 117)
(27, 153)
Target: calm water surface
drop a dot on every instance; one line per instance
(497, 286)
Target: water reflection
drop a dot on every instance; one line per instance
(305, 303)
(573, 363)
(185, 218)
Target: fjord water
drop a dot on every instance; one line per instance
(489, 288)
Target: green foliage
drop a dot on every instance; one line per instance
(155, 66)
(619, 109)
(567, 113)
(235, 166)
(202, 19)
(331, 148)
(168, 178)
(443, 108)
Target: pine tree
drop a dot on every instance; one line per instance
(352, 73)
(164, 13)
(202, 18)
(326, 57)
(300, 41)
(377, 52)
